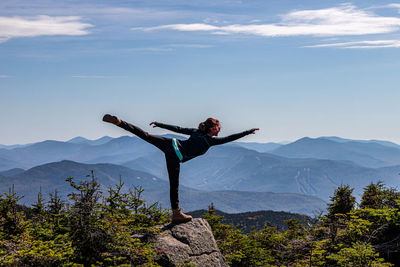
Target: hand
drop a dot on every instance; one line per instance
(255, 129)
(154, 124)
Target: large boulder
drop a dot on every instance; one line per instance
(191, 242)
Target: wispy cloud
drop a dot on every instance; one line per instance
(191, 45)
(181, 27)
(151, 49)
(3, 39)
(94, 76)
(170, 47)
(12, 27)
(4, 76)
(362, 44)
(394, 6)
(336, 21)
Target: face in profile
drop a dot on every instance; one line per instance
(214, 130)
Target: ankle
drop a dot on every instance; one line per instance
(176, 210)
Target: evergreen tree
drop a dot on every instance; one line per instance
(377, 196)
(342, 201)
(87, 230)
(11, 219)
(108, 231)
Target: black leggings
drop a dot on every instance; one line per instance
(165, 145)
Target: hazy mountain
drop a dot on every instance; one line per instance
(12, 172)
(154, 164)
(82, 140)
(255, 220)
(13, 146)
(39, 153)
(50, 177)
(235, 168)
(343, 140)
(240, 201)
(116, 150)
(127, 148)
(259, 147)
(231, 167)
(368, 154)
(78, 140)
(6, 164)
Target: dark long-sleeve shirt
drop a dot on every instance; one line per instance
(199, 142)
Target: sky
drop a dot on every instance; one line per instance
(291, 68)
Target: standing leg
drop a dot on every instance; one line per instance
(173, 172)
(173, 168)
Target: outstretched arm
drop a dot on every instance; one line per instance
(233, 137)
(173, 128)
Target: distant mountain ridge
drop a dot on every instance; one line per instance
(368, 154)
(51, 176)
(12, 172)
(256, 220)
(236, 168)
(6, 164)
(372, 153)
(259, 147)
(82, 140)
(298, 167)
(344, 140)
(13, 146)
(115, 150)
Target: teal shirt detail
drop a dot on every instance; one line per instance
(176, 148)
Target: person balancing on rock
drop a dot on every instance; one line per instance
(177, 151)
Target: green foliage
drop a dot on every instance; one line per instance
(344, 237)
(342, 201)
(91, 230)
(38, 208)
(238, 249)
(11, 220)
(29, 251)
(377, 196)
(96, 230)
(359, 254)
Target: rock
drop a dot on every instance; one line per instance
(191, 242)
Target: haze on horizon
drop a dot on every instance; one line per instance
(291, 68)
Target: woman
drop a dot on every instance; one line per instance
(177, 151)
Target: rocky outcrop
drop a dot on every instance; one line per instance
(191, 242)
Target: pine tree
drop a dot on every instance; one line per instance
(342, 201)
(10, 217)
(377, 196)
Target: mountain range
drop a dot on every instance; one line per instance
(368, 154)
(373, 153)
(235, 168)
(256, 220)
(311, 166)
(50, 177)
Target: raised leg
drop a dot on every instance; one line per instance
(158, 141)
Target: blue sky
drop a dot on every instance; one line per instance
(291, 68)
